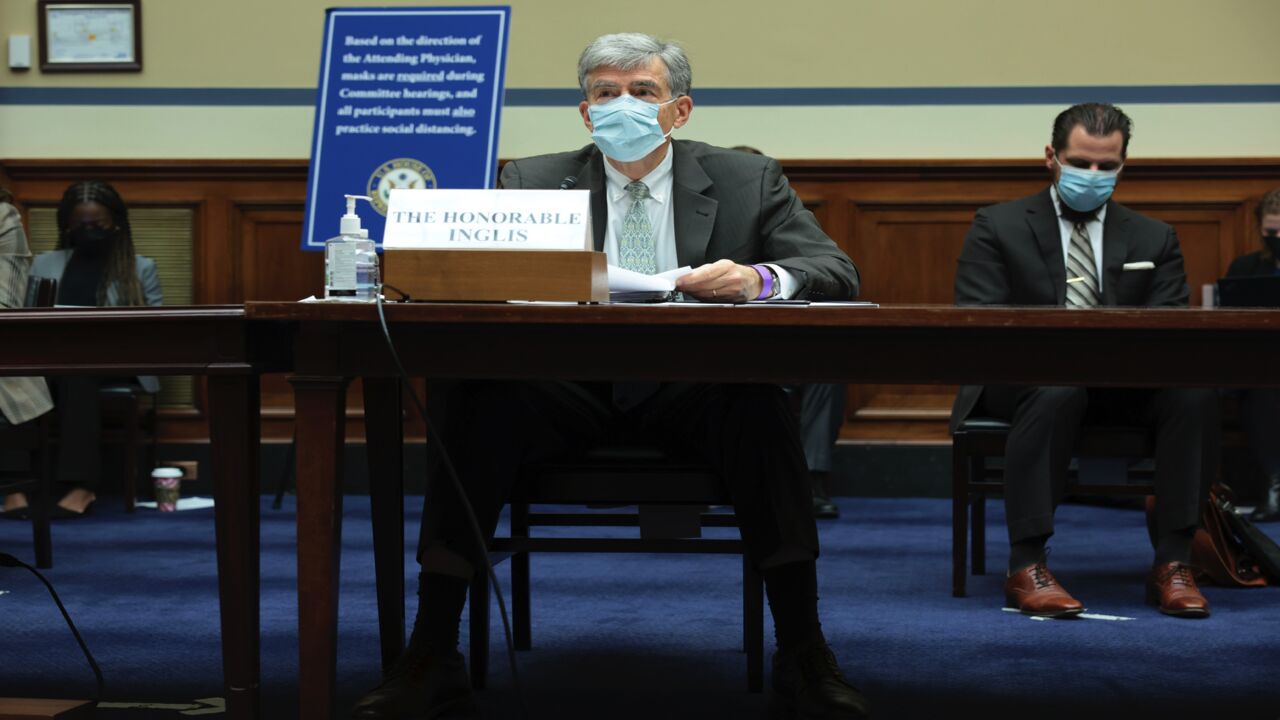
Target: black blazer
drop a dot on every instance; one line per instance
(1255, 263)
(728, 205)
(1013, 256)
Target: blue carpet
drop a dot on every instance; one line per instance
(660, 636)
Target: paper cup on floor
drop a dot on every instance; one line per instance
(167, 482)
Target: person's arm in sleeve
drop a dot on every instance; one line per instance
(795, 243)
(1169, 281)
(981, 275)
(149, 279)
(15, 258)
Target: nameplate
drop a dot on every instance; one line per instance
(488, 220)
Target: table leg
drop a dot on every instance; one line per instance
(320, 407)
(384, 443)
(233, 431)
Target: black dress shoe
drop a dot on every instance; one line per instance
(421, 686)
(1269, 509)
(808, 685)
(823, 508)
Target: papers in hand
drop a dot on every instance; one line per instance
(631, 286)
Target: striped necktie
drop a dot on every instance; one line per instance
(636, 245)
(1082, 273)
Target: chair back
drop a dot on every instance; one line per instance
(41, 291)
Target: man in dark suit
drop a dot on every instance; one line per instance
(657, 204)
(1071, 245)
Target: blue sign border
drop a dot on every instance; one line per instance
(309, 242)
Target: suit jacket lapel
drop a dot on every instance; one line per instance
(1043, 219)
(591, 177)
(695, 213)
(1115, 248)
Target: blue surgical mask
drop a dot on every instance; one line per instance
(1085, 190)
(626, 129)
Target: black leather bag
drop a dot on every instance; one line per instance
(1226, 547)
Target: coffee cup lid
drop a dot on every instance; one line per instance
(166, 472)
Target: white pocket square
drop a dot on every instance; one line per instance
(1144, 265)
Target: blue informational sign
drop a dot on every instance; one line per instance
(408, 98)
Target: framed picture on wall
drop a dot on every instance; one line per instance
(90, 35)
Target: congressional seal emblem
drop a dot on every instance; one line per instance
(403, 173)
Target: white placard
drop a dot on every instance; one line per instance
(489, 220)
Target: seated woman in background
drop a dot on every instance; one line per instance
(95, 265)
(1260, 407)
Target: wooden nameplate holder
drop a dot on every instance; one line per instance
(34, 709)
(497, 275)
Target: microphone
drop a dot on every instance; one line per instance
(569, 182)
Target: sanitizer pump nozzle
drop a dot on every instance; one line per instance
(351, 259)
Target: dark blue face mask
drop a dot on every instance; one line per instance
(1273, 244)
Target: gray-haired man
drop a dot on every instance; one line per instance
(658, 204)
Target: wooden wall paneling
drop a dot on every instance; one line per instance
(902, 221)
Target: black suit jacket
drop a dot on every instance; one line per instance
(1013, 256)
(728, 205)
(1255, 263)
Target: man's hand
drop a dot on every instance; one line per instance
(722, 281)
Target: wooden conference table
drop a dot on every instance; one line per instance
(924, 344)
(212, 341)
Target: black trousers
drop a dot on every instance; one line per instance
(821, 417)
(493, 429)
(1047, 420)
(79, 407)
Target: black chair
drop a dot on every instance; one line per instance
(671, 499)
(978, 439)
(32, 438)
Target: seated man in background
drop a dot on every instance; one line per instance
(1071, 245)
(657, 204)
(1260, 407)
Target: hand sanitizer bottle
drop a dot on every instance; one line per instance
(351, 260)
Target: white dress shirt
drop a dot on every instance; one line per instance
(1094, 227)
(662, 218)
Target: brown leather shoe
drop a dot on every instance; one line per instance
(1034, 591)
(1173, 587)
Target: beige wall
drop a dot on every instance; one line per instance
(749, 43)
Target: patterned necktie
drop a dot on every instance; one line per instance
(1082, 273)
(636, 244)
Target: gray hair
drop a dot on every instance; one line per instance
(628, 51)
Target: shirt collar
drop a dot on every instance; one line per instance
(658, 180)
(1101, 213)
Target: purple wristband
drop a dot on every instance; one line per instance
(766, 277)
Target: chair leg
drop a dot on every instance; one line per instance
(131, 455)
(479, 630)
(978, 546)
(753, 624)
(282, 483)
(384, 438)
(959, 515)
(978, 468)
(39, 500)
(521, 600)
